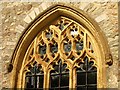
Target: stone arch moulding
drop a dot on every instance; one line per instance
(45, 18)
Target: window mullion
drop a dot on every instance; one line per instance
(71, 78)
(74, 76)
(46, 79)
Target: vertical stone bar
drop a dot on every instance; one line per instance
(46, 79)
(71, 79)
(74, 79)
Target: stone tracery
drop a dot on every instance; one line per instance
(64, 40)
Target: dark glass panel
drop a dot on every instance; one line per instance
(92, 88)
(56, 68)
(59, 88)
(92, 78)
(59, 76)
(65, 88)
(32, 82)
(35, 69)
(64, 80)
(78, 53)
(63, 68)
(61, 26)
(55, 81)
(42, 49)
(72, 58)
(28, 82)
(67, 47)
(81, 78)
(86, 74)
(34, 78)
(81, 88)
(54, 48)
(82, 33)
(89, 66)
(48, 34)
(41, 79)
(85, 64)
(79, 46)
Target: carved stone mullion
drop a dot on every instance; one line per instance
(70, 77)
(46, 79)
(74, 78)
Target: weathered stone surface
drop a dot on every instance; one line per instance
(32, 14)
(101, 18)
(36, 11)
(27, 19)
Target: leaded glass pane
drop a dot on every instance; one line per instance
(48, 34)
(81, 78)
(59, 76)
(79, 46)
(54, 48)
(34, 78)
(61, 26)
(92, 87)
(42, 49)
(86, 75)
(67, 47)
(64, 80)
(92, 78)
(55, 81)
(81, 88)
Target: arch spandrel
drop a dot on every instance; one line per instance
(46, 19)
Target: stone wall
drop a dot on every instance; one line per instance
(15, 17)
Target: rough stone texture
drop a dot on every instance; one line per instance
(15, 16)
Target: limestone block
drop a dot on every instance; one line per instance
(19, 28)
(101, 18)
(83, 5)
(36, 11)
(27, 19)
(44, 6)
(32, 14)
(11, 43)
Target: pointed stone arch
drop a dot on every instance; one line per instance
(44, 19)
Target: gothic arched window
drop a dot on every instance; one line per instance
(64, 51)
(61, 49)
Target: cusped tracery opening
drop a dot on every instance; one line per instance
(61, 48)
